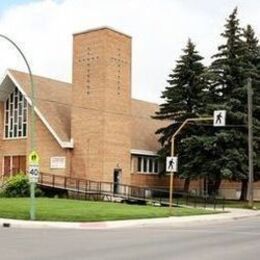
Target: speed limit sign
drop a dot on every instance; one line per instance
(33, 173)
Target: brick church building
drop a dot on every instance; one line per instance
(92, 128)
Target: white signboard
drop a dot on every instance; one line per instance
(219, 118)
(58, 162)
(33, 173)
(171, 164)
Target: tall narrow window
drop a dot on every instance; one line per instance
(139, 164)
(156, 166)
(145, 164)
(15, 115)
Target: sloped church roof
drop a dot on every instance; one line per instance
(53, 100)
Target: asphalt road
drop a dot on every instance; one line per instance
(238, 239)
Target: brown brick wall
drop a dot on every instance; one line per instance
(47, 147)
(87, 154)
(150, 180)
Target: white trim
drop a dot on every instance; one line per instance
(40, 115)
(143, 152)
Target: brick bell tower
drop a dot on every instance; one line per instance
(101, 100)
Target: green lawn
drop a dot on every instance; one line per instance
(75, 210)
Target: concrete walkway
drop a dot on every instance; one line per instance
(230, 215)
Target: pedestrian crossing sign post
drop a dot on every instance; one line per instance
(34, 171)
(171, 163)
(219, 118)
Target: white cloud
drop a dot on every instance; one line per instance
(160, 29)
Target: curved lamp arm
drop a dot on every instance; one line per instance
(32, 132)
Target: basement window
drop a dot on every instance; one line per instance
(15, 116)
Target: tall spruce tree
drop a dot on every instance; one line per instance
(229, 71)
(252, 67)
(183, 98)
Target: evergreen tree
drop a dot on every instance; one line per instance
(208, 152)
(227, 92)
(252, 68)
(183, 99)
(229, 72)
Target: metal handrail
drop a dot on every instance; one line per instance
(125, 191)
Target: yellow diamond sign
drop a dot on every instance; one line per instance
(34, 158)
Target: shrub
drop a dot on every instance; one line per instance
(19, 186)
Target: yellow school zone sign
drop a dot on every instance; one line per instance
(34, 158)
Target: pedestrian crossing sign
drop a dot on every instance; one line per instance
(219, 118)
(171, 163)
(34, 158)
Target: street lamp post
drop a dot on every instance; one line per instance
(32, 121)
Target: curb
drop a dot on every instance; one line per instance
(170, 221)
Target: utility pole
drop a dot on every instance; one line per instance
(250, 144)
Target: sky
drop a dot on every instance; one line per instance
(160, 29)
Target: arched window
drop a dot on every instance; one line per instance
(15, 117)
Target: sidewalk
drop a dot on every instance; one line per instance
(231, 215)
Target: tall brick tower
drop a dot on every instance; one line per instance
(101, 103)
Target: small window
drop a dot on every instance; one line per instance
(15, 116)
(156, 166)
(20, 109)
(24, 115)
(6, 117)
(6, 131)
(145, 164)
(15, 102)
(15, 130)
(139, 164)
(20, 123)
(151, 165)
(24, 130)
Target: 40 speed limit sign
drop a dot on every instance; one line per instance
(33, 173)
